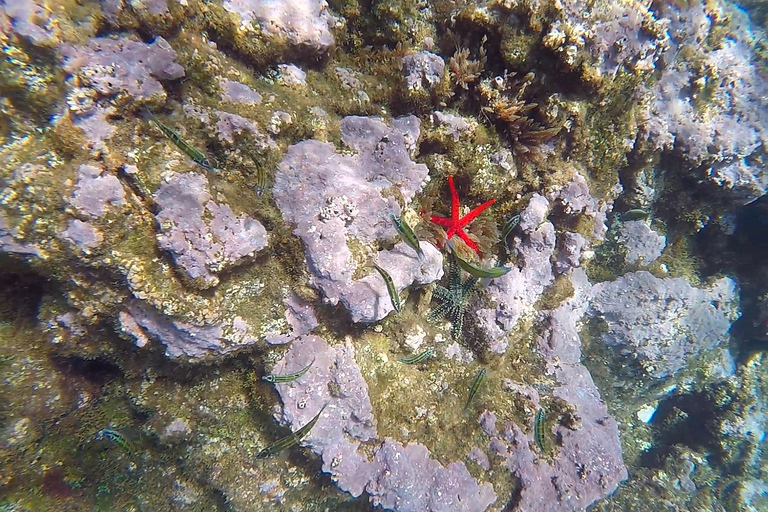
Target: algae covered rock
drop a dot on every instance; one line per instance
(659, 324)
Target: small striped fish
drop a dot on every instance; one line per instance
(417, 358)
(393, 295)
(289, 377)
(291, 439)
(409, 237)
(479, 378)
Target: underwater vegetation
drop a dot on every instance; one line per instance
(232, 276)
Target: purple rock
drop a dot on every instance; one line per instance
(9, 244)
(569, 252)
(305, 24)
(487, 422)
(661, 323)
(574, 199)
(95, 125)
(203, 237)
(479, 456)
(516, 292)
(300, 316)
(643, 245)
(423, 70)
(348, 419)
(30, 19)
(82, 234)
(96, 191)
(141, 321)
(334, 198)
(231, 125)
(235, 92)
(123, 66)
(408, 480)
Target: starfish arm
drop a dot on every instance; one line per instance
(439, 311)
(441, 221)
(473, 214)
(454, 201)
(472, 245)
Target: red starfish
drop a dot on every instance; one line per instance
(455, 224)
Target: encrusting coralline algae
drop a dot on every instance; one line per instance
(154, 293)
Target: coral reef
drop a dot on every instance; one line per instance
(205, 303)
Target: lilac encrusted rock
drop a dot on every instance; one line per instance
(203, 237)
(82, 234)
(301, 318)
(123, 66)
(30, 19)
(304, 24)
(141, 321)
(334, 198)
(587, 462)
(348, 419)
(236, 92)
(574, 199)
(569, 252)
(229, 126)
(408, 480)
(96, 191)
(516, 292)
(398, 478)
(661, 323)
(423, 70)
(367, 299)
(479, 456)
(9, 244)
(643, 245)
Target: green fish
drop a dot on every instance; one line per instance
(507, 229)
(636, 214)
(197, 156)
(409, 237)
(115, 437)
(393, 295)
(479, 378)
(417, 358)
(476, 271)
(538, 429)
(290, 376)
(291, 439)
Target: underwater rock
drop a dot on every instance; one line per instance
(516, 292)
(587, 464)
(367, 299)
(141, 321)
(230, 126)
(300, 316)
(423, 70)
(305, 24)
(408, 480)
(569, 251)
(398, 478)
(122, 66)
(709, 102)
(334, 199)
(96, 191)
(334, 379)
(31, 20)
(82, 234)
(204, 238)
(236, 92)
(643, 245)
(8, 244)
(575, 199)
(660, 323)
(455, 125)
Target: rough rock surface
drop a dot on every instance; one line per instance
(143, 322)
(334, 199)
(569, 252)
(236, 92)
(123, 66)
(30, 19)
(660, 323)
(82, 234)
(301, 318)
(203, 237)
(556, 484)
(643, 245)
(400, 478)
(423, 70)
(96, 191)
(516, 292)
(9, 244)
(305, 24)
